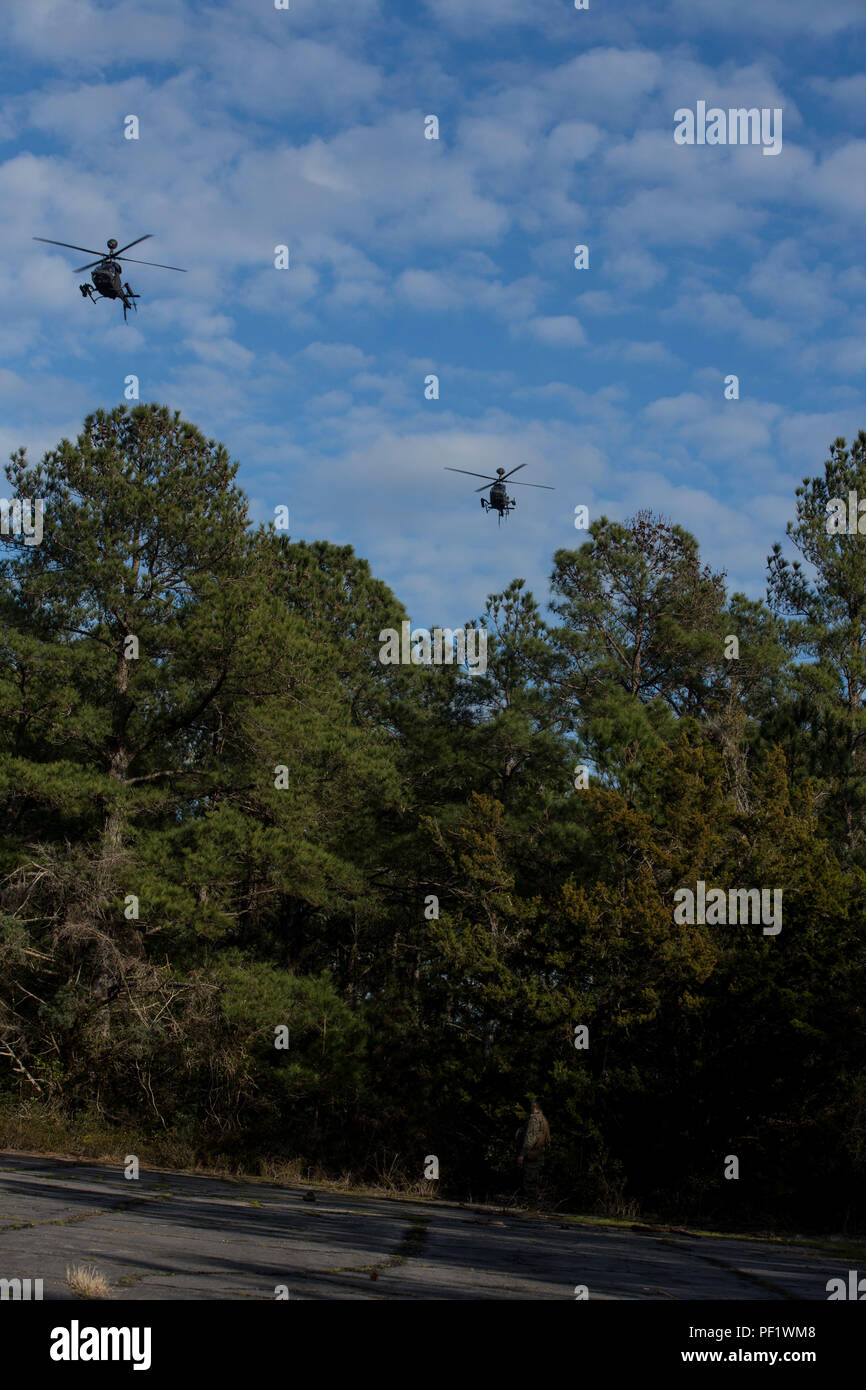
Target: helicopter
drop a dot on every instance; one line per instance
(106, 275)
(499, 500)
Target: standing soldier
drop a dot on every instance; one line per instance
(533, 1138)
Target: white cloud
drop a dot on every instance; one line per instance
(636, 269)
(336, 356)
(846, 93)
(89, 35)
(561, 330)
(839, 181)
(469, 17)
(805, 438)
(328, 402)
(794, 17)
(653, 354)
(728, 313)
(429, 289)
(734, 432)
(795, 288)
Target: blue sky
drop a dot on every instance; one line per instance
(455, 257)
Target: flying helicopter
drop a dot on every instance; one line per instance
(499, 500)
(106, 275)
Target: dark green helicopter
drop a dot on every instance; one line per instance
(106, 275)
(499, 500)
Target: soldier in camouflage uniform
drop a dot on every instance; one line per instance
(533, 1138)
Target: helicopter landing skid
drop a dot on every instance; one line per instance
(129, 298)
(500, 511)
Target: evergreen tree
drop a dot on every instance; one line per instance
(825, 608)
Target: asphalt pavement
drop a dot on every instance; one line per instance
(170, 1235)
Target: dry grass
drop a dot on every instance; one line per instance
(41, 1126)
(88, 1283)
(283, 1172)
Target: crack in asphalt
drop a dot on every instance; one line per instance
(123, 1205)
(730, 1268)
(409, 1248)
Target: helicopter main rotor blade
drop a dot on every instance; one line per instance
(514, 470)
(468, 474)
(544, 485)
(133, 261)
(89, 249)
(78, 269)
(146, 236)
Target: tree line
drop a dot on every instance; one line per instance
(224, 816)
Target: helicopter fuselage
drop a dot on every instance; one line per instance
(107, 284)
(499, 500)
(106, 280)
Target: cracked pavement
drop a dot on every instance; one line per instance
(170, 1235)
